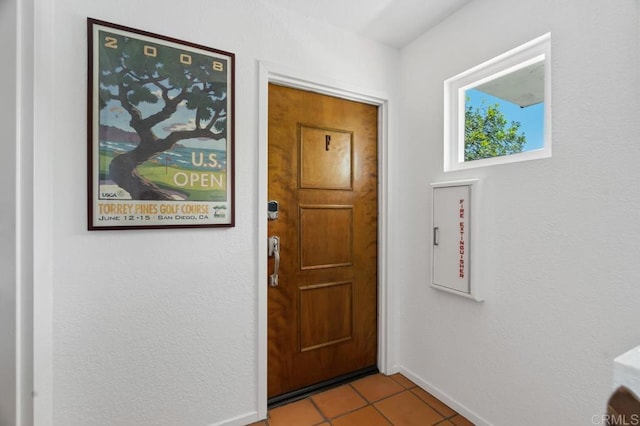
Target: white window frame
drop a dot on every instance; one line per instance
(531, 52)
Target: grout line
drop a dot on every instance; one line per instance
(361, 395)
(378, 400)
(324, 418)
(382, 414)
(392, 395)
(434, 408)
(372, 404)
(402, 384)
(444, 418)
(329, 419)
(355, 409)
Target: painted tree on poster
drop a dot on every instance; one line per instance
(153, 82)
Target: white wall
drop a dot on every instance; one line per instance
(558, 237)
(158, 327)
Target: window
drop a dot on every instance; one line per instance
(499, 111)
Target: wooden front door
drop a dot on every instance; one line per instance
(323, 165)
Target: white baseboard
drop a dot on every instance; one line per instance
(472, 416)
(241, 420)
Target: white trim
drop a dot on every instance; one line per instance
(273, 73)
(43, 84)
(24, 213)
(533, 51)
(262, 330)
(19, 219)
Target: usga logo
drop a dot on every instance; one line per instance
(111, 194)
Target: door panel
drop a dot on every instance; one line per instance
(325, 159)
(326, 236)
(320, 301)
(323, 172)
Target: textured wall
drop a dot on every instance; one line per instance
(158, 327)
(558, 237)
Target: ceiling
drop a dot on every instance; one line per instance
(391, 22)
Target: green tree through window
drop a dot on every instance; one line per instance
(487, 133)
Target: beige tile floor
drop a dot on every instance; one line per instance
(370, 401)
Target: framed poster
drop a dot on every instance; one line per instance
(161, 131)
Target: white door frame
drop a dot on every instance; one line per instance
(272, 73)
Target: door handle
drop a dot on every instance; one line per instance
(274, 250)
